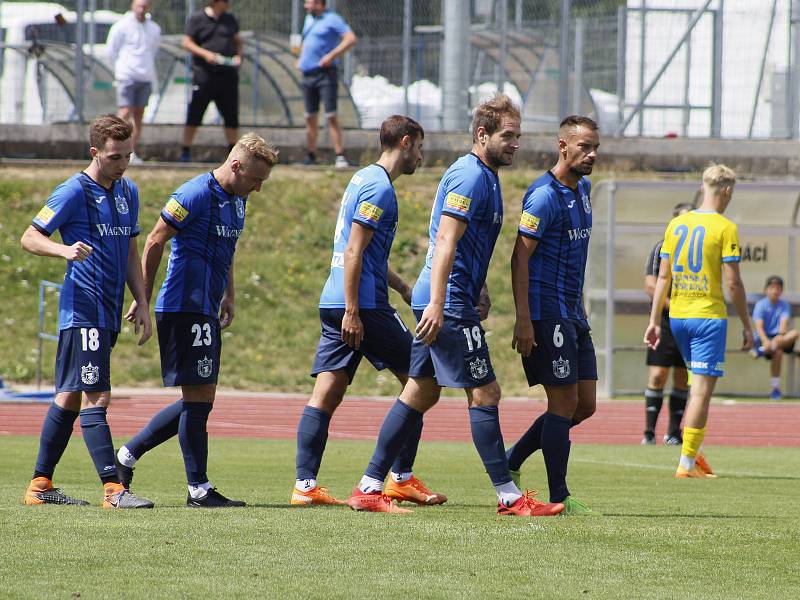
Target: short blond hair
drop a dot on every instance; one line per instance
(251, 147)
(718, 177)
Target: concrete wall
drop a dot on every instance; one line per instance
(774, 158)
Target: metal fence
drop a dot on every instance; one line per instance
(720, 68)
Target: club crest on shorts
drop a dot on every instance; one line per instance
(90, 374)
(122, 204)
(587, 205)
(204, 367)
(478, 368)
(239, 208)
(561, 368)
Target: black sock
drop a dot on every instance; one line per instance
(653, 399)
(677, 406)
(186, 149)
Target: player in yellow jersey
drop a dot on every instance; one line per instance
(698, 247)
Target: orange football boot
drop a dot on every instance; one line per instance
(702, 464)
(374, 502)
(693, 473)
(41, 491)
(414, 491)
(318, 496)
(528, 506)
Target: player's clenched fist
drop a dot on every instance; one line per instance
(78, 251)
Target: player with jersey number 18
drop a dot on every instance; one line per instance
(698, 247)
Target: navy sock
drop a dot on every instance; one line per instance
(97, 436)
(405, 460)
(555, 447)
(398, 425)
(312, 435)
(488, 439)
(677, 406)
(56, 430)
(530, 442)
(161, 427)
(193, 437)
(653, 399)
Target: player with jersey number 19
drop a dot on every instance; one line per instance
(96, 212)
(698, 247)
(204, 219)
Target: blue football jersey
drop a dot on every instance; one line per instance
(105, 219)
(209, 222)
(469, 191)
(368, 200)
(561, 220)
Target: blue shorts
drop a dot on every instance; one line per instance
(191, 346)
(386, 342)
(702, 344)
(563, 355)
(459, 358)
(133, 93)
(83, 359)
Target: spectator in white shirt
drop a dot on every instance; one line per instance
(132, 47)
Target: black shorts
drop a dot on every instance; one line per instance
(223, 90)
(386, 342)
(191, 346)
(322, 84)
(563, 355)
(667, 354)
(83, 359)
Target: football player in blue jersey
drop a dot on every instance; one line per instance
(96, 213)
(552, 330)
(450, 347)
(357, 319)
(204, 219)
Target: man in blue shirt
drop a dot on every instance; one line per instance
(357, 319)
(551, 331)
(204, 219)
(450, 346)
(326, 37)
(773, 337)
(96, 213)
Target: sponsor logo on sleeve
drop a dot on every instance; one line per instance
(45, 215)
(529, 223)
(370, 212)
(457, 202)
(176, 210)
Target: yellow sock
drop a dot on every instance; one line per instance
(692, 440)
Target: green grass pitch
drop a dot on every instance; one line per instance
(735, 537)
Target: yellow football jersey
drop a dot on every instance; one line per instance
(696, 244)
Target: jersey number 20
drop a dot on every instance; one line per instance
(695, 253)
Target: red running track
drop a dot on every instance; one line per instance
(276, 416)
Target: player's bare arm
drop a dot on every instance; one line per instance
(227, 306)
(237, 59)
(35, 242)
(399, 285)
(652, 336)
(450, 231)
(738, 298)
(151, 258)
(352, 327)
(139, 314)
(191, 46)
(484, 303)
(524, 339)
(348, 41)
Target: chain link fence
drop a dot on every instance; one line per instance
(641, 67)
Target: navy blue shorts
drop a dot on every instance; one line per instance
(191, 346)
(83, 359)
(386, 342)
(563, 355)
(321, 84)
(459, 358)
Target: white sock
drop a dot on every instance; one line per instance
(125, 457)
(775, 382)
(198, 491)
(687, 462)
(507, 493)
(401, 477)
(305, 485)
(369, 485)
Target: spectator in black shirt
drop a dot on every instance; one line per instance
(212, 36)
